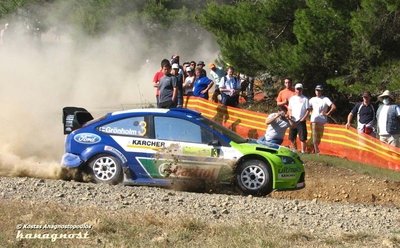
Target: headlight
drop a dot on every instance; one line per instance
(287, 160)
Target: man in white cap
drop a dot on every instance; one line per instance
(321, 107)
(298, 111)
(388, 117)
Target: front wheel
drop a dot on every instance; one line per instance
(254, 177)
(106, 169)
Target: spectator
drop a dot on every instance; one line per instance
(202, 84)
(321, 107)
(216, 74)
(285, 94)
(365, 112)
(298, 111)
(230, 88)
(175, 60)
(168, 88)
(185, 65)
(3, 31)
(277, 124)
(388, 118)
(193, 65)
(156, 80)
(179, 84)
(201, 65)
(244, 83)
(188, 85)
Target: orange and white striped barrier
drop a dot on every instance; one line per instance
(337, 140)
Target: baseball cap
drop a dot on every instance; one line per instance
(188, 69)
(175, 66)
(200, 63)
(211, 65)
(298, 86)
(319, 87)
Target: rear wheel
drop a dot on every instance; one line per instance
(254, 177)
(106, 169)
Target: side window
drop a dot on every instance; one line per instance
(134, 126)
(206, 136)
(169, 128)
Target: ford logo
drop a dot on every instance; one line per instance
(87, 138)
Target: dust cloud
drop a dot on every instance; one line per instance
(40, 76)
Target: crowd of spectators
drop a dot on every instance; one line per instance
(190, 79)
(383, 123)
(174, 81)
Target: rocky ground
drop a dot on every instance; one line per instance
(331, 184)
(335, 201)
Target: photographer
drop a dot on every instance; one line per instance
(277, 125)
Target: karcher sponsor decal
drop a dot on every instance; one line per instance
(150, 144)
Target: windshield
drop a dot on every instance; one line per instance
(216, 126)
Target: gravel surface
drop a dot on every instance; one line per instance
(309, 215)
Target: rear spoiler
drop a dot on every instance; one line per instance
(74, 118)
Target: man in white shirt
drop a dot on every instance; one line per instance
(298, 111)
(230, 88)
(388, 116)
(321, 107)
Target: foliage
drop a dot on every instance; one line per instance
(7, 7)
(350, 44)
(248, 32)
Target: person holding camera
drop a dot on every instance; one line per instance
(365, 113)
(277, 124)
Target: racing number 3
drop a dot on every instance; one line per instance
(215, 152)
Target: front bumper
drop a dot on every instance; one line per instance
(71, 160)
(301, 183)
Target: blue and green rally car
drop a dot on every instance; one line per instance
(158, 147)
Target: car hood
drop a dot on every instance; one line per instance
(268, 147)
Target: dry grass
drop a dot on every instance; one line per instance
(143, 229)
(355, 166)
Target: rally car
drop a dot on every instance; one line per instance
(158, 147)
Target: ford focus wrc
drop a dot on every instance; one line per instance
(159, 147)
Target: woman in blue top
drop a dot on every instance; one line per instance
(202, 84)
